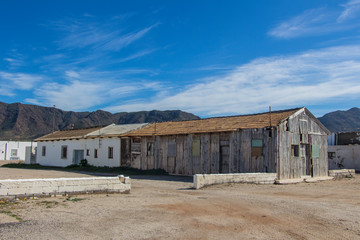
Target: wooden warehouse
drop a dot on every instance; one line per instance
(291, 143)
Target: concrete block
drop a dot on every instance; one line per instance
(63, 185)
(201, 180)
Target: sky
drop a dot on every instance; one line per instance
(210, 58)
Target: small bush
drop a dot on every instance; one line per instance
(83, 162)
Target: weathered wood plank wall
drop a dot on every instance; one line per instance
(302, 148)
(228, 152)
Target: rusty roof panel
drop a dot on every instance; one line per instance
(218, 124)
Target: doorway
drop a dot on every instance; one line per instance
(78, 156)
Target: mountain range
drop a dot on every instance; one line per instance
(342, 121)
(26, 122)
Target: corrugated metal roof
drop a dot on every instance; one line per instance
(116, 130)
(108, 131)
(67, 134)
(218, 124)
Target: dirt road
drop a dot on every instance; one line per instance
(167, 208)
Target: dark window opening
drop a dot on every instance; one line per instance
(295, 150)
(150, 149)
(64, 152)
(95, 153)
(43, 151)
(110, 152)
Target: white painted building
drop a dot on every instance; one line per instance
(14, 150)
(344, 157)
(99, 146)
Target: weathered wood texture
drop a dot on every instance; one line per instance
(302, 148)
(210, 152)
(296, 147)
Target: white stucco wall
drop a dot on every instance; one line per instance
(53, 152)
(102, 145)
(6, 148)
(346, 156)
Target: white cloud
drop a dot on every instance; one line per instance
(352, 8)
(72, 74)
(88, 89)
(308, 78)
(319, 21)
(17, 81)
(96, 35)
(73, 96)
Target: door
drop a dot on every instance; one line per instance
(78, 156)
(306, 160)
(224, 157)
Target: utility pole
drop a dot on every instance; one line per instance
(270, 114)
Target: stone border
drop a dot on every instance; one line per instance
(60, 186)
(201, 180)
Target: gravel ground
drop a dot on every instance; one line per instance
(161, 207)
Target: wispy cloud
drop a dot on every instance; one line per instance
(17, 81)
(352, 9)
(82, 90)
(110, 36)
(308, 78)
(120, 42)
(319, 21)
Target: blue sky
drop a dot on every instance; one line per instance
(211, 58)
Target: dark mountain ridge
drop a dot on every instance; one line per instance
(342, 121)
(26, 122)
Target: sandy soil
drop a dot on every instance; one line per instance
(161, 207)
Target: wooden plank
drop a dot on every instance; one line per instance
(188, 155)
(164, 149)
(205, 156)
(215, 152)
(245, 152)
(157, 152)
(232, 154)
(171, 156)
(143, 157)
(179, 163)
(238, 152)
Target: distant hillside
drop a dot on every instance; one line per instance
(342, 121)
(25, 122)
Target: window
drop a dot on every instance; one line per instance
(256, 147)
(95, 153)
(14, 152)
(110, 152)
(150, 149)
(196, 148)
(87, 152)
(315, 150)
(64, 152)
(295, 150)
(172, 149)
(43, 151)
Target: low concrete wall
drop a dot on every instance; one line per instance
(342, 173)
(53, 186)
(201, 180)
